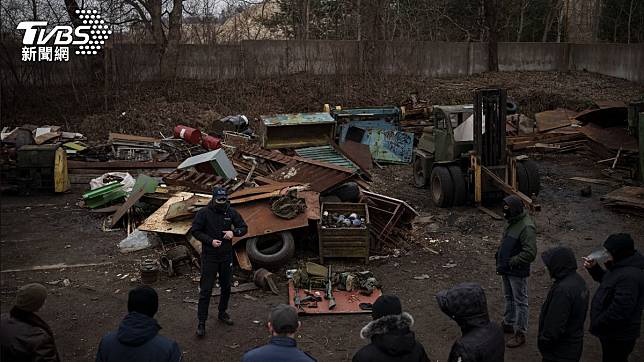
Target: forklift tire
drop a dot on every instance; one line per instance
(270, 256)
(442, 187)
(533, 176)
(522, 179)
(420, 176)
(458, 180)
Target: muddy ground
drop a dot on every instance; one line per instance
(47, 229)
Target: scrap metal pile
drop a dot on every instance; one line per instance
(299, 175)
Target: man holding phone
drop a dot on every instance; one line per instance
(215, 226)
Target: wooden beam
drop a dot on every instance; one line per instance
(56, 266)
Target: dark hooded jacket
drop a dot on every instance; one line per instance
(482, 339)
(616, 309)
(137, 339)
(24, 337)
(518, 247)
(561, 322)
(391, 340)
(211, 222)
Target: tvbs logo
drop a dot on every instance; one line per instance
(40, 44)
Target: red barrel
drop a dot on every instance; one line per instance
(211, 143)
(189, 134)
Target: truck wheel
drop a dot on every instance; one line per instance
(460, 191)
(442, 187)
(420, 177)
(532, 170)
(271, 256)
(522, 179)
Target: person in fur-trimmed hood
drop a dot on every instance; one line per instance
(390, 335)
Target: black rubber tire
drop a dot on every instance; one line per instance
(458, 180)
(275, 260)
(347, 192)
(420, 176)
(442, 187)
(330, 198)
(511, 107)
(534, 178)
(522, 179)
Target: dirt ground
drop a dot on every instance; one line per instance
(47, 229)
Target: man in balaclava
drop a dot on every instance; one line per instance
(517, 251)
(215, 226)
(616, 308)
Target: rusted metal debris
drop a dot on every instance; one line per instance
(320, 176)
(387, 214)
(628, 199)
(554, 119)
(296, 130)
(196, 181)
(611, 137)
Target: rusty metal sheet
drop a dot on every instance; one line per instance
(196, 181)
(261, 221)
(359, 153)
(318, 175)
(605, 117)
(312, 199)
(553, 119)
(609, 104)
(611, 137)
(271, 155)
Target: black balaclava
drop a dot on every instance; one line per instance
(143, 300)
(512, 207)
(620, 246)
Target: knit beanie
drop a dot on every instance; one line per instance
(143, 300)
(386, 305)
(620, 246)
(31, 297)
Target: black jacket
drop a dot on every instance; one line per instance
(137, 339)
(391, 340)
(24, 337)
(482, 339)
(518, 247)
(616, 309)
(561, 322)
(211, 222)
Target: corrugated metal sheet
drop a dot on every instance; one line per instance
(257, 151)
(297, 119)
(326, 154)
(321, 176)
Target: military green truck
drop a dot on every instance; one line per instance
(463, 158)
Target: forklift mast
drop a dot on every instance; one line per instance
(490, 146)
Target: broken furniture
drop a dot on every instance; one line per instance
(344, 242)
(296, 130)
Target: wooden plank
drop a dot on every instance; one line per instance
(61, 176)
(56, 266)
(157, 223)
(596, 181)
(133, 199)
(262, 189)
(242, 259)
(119, 165)
(493, 214)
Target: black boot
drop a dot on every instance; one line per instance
(201, 329)
(225, 318)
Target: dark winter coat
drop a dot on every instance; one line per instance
(278, 349)
(616, 309)
(24, 337)
(211, 222)
(137, 339)
(391, 340)
(482, 339)
(561, 322)
(518, 247)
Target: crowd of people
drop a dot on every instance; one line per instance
(615, 309)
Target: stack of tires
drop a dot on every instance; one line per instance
(448, 187)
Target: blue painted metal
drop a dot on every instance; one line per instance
(386, 142)
(326, 154)
(365, 125)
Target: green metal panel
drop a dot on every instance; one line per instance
(104, 194)
(294, 119)
(326, 154)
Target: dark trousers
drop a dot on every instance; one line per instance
(210, 269)
(616, 351)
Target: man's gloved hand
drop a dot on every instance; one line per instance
(216, 243)
(514, 262)
(228, 234)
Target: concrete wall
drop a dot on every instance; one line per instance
(266, 58)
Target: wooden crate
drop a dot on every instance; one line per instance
(349, 242)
